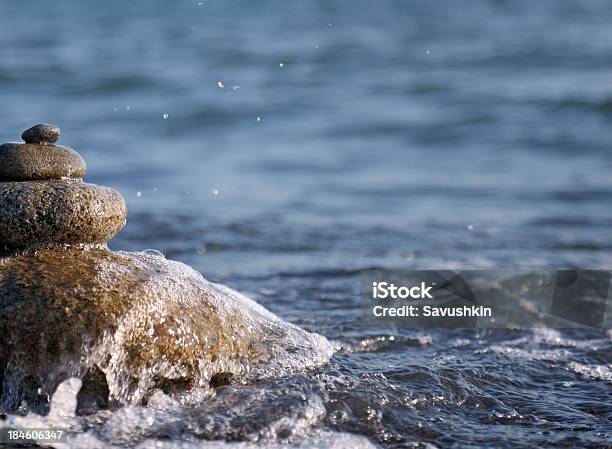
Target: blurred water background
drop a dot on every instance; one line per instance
(281, 147)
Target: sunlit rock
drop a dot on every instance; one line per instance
(126, 324)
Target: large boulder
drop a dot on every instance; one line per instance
(130, 323)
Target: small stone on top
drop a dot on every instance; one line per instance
(41, 134)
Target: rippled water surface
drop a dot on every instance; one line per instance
(282, 147)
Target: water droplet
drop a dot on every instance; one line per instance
(214, 192)
(236, 87)
(220, 84)
(259, 119)
(154, 252)
(127, 108)
(165, 116)
(201, 248)
(470, 227)
(281, 64)
(428, 52)
(139, 194)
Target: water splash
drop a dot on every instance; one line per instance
(152, 324)
(141, 427)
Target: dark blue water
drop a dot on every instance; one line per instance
(281, 147)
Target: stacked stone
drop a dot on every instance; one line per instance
(127, 324)
(43, 200)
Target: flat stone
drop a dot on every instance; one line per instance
(130, 323)
(58, 212)
(41, 133)
(26, 162)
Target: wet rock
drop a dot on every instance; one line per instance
(43, 201)
(39, 158)
(126, 324)
(145, 322)
(41, 133)
(24, 162)
(58, 213)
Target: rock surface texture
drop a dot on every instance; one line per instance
(125, 323)
(44, 202)
(39, 157)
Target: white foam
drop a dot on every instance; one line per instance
(283, 347)
(130, 425)
(323, 440)
(599, 372)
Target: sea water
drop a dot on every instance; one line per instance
(400, 134)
